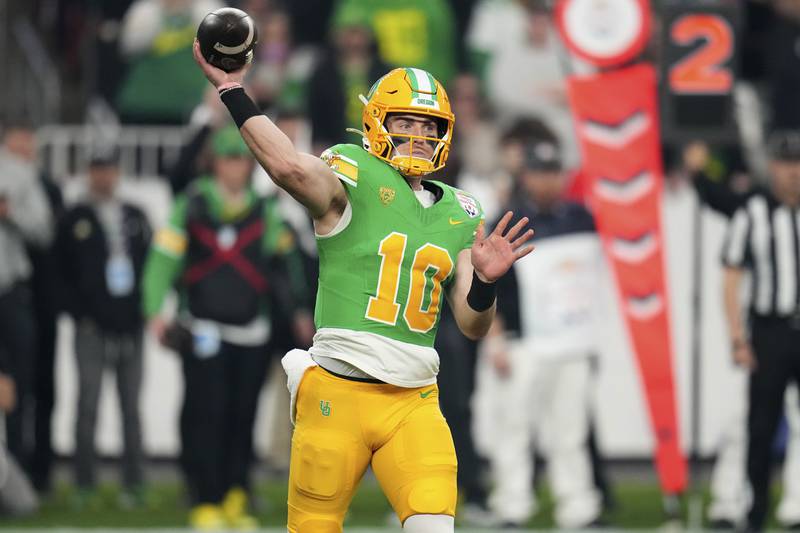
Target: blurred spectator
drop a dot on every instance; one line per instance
(473, 166)
(347, 69)
(494, 186)
(101, 246)
(232, 257)
(475, 160)
(270, 59)
(105, 27)
(162, 85)
(762, 241)
(193, 160)
(25, 218)
(478, 138)
(280, 68)
(456, 380)
(541, 346)
(729, 492)
(310, 19)
(758, 23)
(463, 11)
(782, 56)
(45, 287)
(515, 51)
(17, 496)
(412, 33)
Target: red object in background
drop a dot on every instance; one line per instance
(576, 188)
(616, 118)
(606, 34)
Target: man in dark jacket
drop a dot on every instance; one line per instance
(101, 246)
(25, 221)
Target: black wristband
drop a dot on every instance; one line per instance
(481, 295)
(240, 106)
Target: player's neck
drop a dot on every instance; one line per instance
(414, 182)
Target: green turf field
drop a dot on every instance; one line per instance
(638, 507)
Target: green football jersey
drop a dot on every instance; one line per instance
(388, 271)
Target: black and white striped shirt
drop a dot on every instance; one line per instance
(764, 237)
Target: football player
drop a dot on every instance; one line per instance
(391, 247)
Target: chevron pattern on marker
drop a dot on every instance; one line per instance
(616, 116)
(616, 135)
(644, 308)
(634, 251)
(627, 191)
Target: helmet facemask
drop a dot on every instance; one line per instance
(411, 163)
(395, 94)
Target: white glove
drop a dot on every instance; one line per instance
(295, 363)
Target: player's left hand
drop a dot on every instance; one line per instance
(492, 256)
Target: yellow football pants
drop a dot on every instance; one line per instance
(343, 426)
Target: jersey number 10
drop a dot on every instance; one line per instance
(383, 307)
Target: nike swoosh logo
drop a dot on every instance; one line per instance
(424, 395)
(455, 222)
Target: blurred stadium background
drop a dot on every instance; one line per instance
(88, 73)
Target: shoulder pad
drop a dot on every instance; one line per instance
(343, 161)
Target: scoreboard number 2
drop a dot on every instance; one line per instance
(702, 71)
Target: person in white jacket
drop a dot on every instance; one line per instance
(540, 349)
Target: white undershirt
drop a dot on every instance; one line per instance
(425, 197)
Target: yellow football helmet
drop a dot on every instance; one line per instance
(411, 91)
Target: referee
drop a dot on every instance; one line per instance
(764, 240)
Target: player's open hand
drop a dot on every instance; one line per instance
(492, 256)
(216, 75)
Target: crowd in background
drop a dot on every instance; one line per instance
(100, 261)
